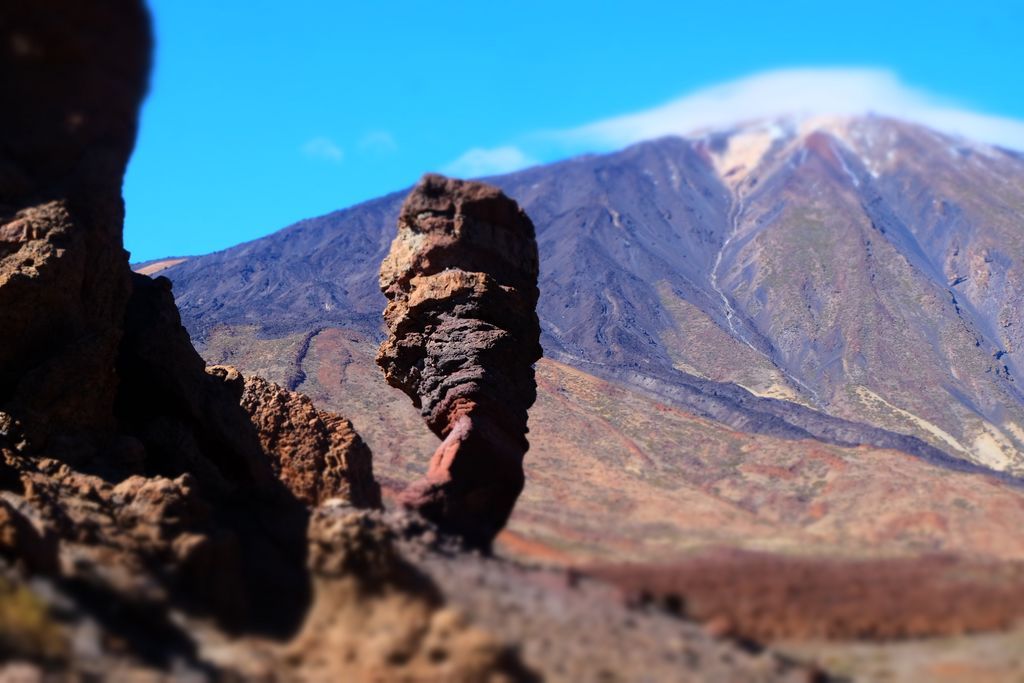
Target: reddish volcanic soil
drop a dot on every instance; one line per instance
(833, 543)
(613, 474)
(766, 598)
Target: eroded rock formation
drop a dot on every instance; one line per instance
(126, 468)
(318, 455)
(72, 88)
(461, 283)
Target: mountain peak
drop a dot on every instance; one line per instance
(737, 151)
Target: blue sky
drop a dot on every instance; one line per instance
(263, 113)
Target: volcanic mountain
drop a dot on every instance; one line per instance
(791, 334)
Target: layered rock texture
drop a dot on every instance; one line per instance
(463, 335)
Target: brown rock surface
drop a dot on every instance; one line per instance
(376, 617)
(145, 539)
(71, 93)
(461, 283)
(316, 454)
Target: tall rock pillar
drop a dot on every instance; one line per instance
(461, 284)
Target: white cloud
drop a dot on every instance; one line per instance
(323, 149)
(380, 141)
(480, 162)
(843, 91)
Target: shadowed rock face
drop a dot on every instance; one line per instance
(127, 469)
(461, 283)
(71, 93)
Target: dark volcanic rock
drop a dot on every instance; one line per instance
(461, 280)
(185, 417)
(71, 94)
(176, 419)
(128, 470)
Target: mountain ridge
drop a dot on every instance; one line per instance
(679, 221)
(865, 298)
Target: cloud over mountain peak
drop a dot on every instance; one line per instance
(797, 92)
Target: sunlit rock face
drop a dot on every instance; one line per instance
(318, 455)
(461, 283)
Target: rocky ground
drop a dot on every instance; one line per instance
(572, 628)
(395, 600)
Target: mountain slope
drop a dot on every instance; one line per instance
(866, 268)
(823, 283)
(613, 473)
